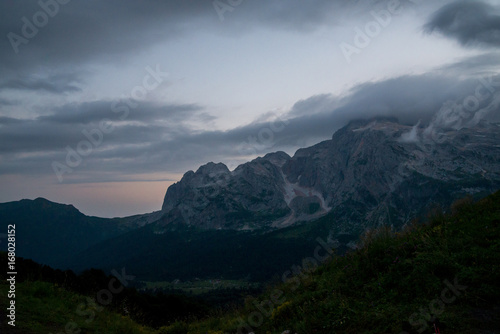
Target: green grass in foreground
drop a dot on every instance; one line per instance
(45, 308)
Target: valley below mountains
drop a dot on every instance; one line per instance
(267, 214)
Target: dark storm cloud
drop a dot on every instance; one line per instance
(472, 23)
(159, 138)
(93, 30)
(7, 102)
(89, 112)
(146, 123)
(80, 31)
(163, 138)
(57, 84)
(22, 136)
(9, 120)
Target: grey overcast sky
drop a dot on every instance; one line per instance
(105, 103)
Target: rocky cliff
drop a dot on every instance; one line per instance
(370, 172)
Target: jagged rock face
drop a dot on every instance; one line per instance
(356, 163)
(370, 175)
(214, 197)
(370, 172)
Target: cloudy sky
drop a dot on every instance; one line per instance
(104, 104)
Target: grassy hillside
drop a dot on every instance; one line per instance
(48, 300)
(445, 272)
(46, 308)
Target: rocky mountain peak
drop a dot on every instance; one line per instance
(213, 169)
(277, 158)
(371, 171)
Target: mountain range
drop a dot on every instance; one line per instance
(370, 173)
